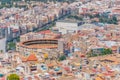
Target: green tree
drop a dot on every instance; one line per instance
(1, 51)
(107, 51)
(13, 77)
(91, 16)
(11, 45)
(97, 15)
(115, 21)
(61, 58)
(114, 18)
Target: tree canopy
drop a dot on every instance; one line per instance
(61, 58)
(13, 77)
(104, 52)
(107, 51)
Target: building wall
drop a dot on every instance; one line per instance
(65, 27)
(61, 46)
(118, 50)
(3, 45)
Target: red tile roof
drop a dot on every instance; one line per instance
(116, 11)
(45, 32)
(32, 57)
(24, 59)
(114, 48)
(15, 30)
(67, 68)
(2, 78)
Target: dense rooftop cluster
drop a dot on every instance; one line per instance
(84, 42)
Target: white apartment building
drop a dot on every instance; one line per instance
(68, 26)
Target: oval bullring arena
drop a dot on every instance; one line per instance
(38, 46)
